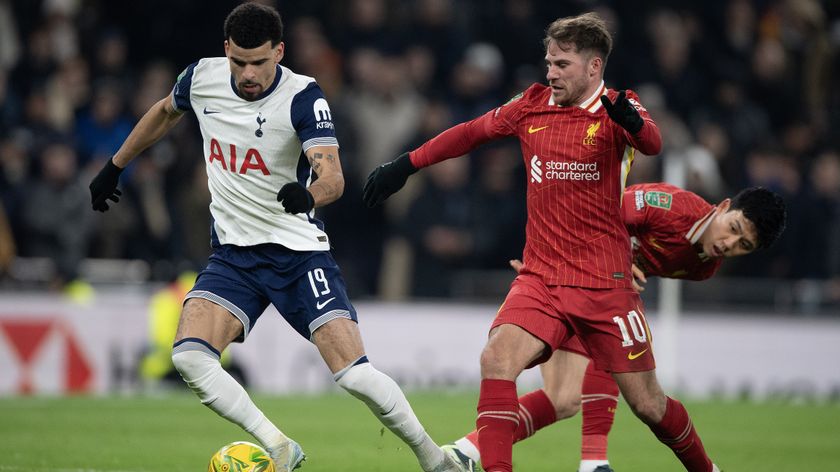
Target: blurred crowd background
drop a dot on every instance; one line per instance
(745, 93)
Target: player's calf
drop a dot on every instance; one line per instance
(388, 403)
(199, 366)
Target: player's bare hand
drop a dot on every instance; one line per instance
(517, 265)
(639, 279)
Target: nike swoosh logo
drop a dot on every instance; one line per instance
(210, 112)
(632, 356)
(319, 305)
(532, 130)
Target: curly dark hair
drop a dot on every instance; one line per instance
(250, 25)
(765, 209)
(587, 32)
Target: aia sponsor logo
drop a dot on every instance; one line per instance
(252, 161)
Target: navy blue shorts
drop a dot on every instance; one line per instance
(306, 287)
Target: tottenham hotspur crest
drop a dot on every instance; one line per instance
(260, 122)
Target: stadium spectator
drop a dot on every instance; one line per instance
(577, 255)
(439, 226)
(56, 221)
(263, 254)
(765, 70)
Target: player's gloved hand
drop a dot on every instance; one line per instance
(387, 179)
(103, 187)
(296, 198)
(623, 112)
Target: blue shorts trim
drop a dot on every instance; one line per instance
(235, 310)
(195, 344)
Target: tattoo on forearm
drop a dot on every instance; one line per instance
(319, 158)
(315, 161)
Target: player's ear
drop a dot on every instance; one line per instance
(596, 65)
(723, 206)
(279, 51)
(227, 48)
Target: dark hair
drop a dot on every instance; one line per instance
(250, 25)
(765, 209)
(586, 32)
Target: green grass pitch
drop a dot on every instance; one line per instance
(176, 433)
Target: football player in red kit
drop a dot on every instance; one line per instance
(674, 234)
(578, 139)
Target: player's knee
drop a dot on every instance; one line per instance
(364, 382)
(649, 409)
(566, 406)
(494, 364)
(194, 365)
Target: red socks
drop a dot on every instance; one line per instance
(677, 432)
(497, 421)
(599, 397)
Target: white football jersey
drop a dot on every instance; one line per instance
(253, 148)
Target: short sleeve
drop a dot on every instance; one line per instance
(633, 209)
(181, 91)
(312, 118)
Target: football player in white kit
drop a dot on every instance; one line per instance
(266, 130)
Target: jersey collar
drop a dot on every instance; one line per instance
(591, 104)
(277, 75)
(700, 226)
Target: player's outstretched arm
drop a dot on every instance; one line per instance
(160, 118)
(387, 179)
(324, 160)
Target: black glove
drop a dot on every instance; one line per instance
(623, 112)
(387, 179)
(295, 198)
(103, 187)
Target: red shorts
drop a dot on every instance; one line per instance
(607, 325)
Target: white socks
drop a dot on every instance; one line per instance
(590, 466)
(469, 449)
(388, 403)
(203, 373)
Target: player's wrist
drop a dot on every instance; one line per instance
(112, 169)
(404, 165)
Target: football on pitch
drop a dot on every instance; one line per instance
(241, 456)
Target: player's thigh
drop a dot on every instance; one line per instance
(509, 350)
(203, 319)
(312, 294)
(527, 307)
(612, 327)
(562, 380)
(643, 394)
(339, 343)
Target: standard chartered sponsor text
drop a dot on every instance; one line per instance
(572, 171)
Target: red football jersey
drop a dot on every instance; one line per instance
(666, 222)
(577, 160)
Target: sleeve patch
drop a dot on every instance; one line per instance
(658, 199)
(639, 196)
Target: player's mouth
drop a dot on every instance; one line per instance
(717, 252)
(250, 87)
